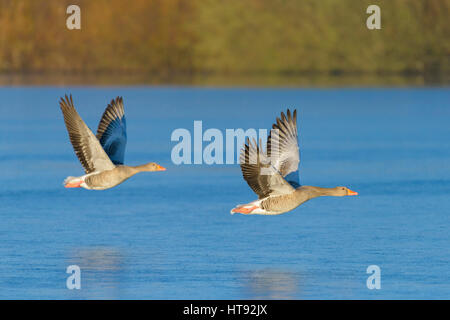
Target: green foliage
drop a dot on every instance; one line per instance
(194, 37)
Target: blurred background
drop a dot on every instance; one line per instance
(232, 64)
(234, 42)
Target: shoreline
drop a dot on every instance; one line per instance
(260, 79)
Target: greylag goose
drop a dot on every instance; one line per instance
(273, 175)
(102, 156)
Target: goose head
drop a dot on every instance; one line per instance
(151, 166)
(343, 191)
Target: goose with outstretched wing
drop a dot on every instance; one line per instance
(273, 175)
(101, 156)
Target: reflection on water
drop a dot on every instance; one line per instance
(101, 272)
(271, 284)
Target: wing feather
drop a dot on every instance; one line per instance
(112, 131)
(262, 178)
(282, 147)
(85, 144)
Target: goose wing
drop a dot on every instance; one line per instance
(86, 146)
(282, 147)
(112, 131)
(262, 177)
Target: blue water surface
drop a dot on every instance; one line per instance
(169, 235)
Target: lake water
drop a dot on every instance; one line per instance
(169, 235)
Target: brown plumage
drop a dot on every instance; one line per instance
(96, 153)
(273, 175)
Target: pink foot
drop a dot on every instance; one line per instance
(73, 184)
(244, 210)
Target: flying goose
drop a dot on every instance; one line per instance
(102, 156)
(273, 175)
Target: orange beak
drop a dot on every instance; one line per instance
(352, 193)
(160, 168)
